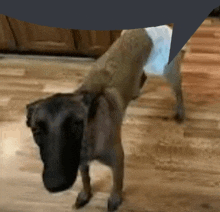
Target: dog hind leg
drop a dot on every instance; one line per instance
(173, 76)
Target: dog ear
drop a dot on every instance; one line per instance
(88, 98)
(91, 101)
(30, 108)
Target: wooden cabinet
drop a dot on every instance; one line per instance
(20, 36)
(115, 34)
(7, 41)
(33, 37)
(93, 42)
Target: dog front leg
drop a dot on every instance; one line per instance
(137, 89)
(85, 195)
(117, 165)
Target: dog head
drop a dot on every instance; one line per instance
(58, 124)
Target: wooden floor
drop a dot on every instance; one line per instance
(169, 167)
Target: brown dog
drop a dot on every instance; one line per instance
(157, 66)
(73, 129)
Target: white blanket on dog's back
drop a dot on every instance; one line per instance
(161, 37)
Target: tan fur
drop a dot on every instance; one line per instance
(120, 68)
(117, 75)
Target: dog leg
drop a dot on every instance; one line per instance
(173, 75)
(85, 195)
(141, 80)
(117, 166)
(180, 109)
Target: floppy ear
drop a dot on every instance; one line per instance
(30, 108)
(88, 98)
(29, 113)
(91, 100)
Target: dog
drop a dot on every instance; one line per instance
(75, 128)
(157, 65)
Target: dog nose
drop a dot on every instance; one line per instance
(54, 182)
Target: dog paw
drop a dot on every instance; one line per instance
(82, 199)
(114, 202)
(180, 115)
(179, 118)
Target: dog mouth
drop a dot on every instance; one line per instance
(56, 185)
(57, 189)
(55, 182)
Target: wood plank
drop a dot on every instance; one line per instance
(12, 71)
(202, 124)
(193, 132)
(198, 48)
(205, 41)
(202, 58)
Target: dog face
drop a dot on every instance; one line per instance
(58, 125)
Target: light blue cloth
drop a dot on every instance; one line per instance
(159, 56)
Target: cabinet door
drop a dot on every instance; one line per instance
(7, 41)
(115, 34)
(92, 42)
(33, 37)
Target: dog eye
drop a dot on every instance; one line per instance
(41, 124)
(72, 124)
(39, 128)
(36, 131)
